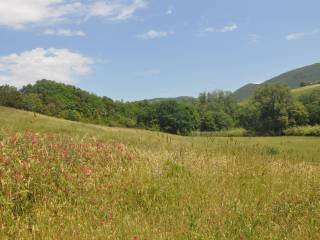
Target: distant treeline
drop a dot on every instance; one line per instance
(270, 111)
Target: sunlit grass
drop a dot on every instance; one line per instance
(65, 180)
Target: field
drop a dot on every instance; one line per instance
(66, 180)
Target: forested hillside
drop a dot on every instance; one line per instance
(270, 111)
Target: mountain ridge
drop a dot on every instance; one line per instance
(292, 78)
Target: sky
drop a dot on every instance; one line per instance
(140, 49)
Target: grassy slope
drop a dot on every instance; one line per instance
(65, 180)
(303, 90)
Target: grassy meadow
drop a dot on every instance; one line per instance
(67, 180)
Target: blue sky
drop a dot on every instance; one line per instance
(137, 49)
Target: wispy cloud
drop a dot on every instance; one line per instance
(64, 32)
(254, 38)
(224, 29)
(153, 34)
(169, 11)
(22, 13)
(301, 35)
(116, 10)
(149, 72)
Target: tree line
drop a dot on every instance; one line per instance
(270, 111)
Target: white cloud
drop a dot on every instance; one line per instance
(152, 34)
(27, 67)
(64, 32)
(224, 29)
(21, 13)
(301, 35)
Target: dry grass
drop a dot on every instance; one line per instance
(63, 180)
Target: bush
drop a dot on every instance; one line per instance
(303, 131)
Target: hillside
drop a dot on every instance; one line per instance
(292, 78)
(68, 180)
(304, 90)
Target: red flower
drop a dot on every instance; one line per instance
(242, 237)
(87, 171)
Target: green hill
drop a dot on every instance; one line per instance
(292, 78)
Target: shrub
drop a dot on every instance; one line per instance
(303, 131)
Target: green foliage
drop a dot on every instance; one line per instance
(312, 103)
(177, 118)
(32, 102)
(147, 117)
(271, 110)
(303, 131)
(298, 114)
(218, 101)
(10, 97)
(215, 121)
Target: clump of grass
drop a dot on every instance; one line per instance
(235, 132)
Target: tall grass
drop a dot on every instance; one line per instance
(66, 180)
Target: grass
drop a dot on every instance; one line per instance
(297, 92)
(65, 180)
(234, 132)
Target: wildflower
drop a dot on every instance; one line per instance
(87, 171)
(34, 139)
(242, 237)
(103, 222)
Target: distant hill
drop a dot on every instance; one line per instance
(292, 78)
(245, 91)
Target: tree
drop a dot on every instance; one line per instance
(177, 118)
(215, 121)
(218, 101)
(10, 97)
(268, 112)
(311, 101)
(147, 116)
(32, 102)
(298, 115)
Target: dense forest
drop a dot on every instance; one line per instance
(270, 111)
